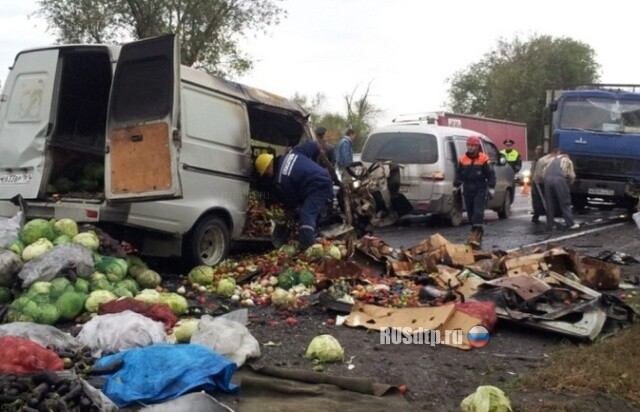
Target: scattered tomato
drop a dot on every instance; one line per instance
(331, 322)
(403, 389)
(291, 321)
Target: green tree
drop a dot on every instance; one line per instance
(312, 105)
(209, 31)
(509, 82)
(361, 114)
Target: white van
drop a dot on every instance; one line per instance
(428, 156)
(172, 145)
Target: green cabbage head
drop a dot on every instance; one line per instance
(325, 348)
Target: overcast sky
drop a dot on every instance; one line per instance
(406, 49)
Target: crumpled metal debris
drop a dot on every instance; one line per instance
(617, 257)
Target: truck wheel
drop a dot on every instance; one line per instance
(505, 210)
(209, 242)
(455, 217)
(579, 202)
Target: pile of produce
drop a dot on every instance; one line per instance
(43, 391)
(260, 215)
(88, 179)
(63, 296)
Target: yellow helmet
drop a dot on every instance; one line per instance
(262, 162)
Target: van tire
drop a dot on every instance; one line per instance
(505, 210)
(209, 242)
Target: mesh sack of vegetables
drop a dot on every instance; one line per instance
(159, 312)
(484, 310)
(18, 356)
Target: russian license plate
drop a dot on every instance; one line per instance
(15, 178)
(601, 192)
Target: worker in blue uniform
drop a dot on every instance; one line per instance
(304, 185)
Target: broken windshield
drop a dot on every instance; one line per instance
(600, 115)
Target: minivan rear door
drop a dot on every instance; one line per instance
(143, 140)
(25, 122)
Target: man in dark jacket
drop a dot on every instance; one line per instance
(303, 184)
(320, 152)
(477, 178)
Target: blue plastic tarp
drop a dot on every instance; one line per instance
(161, 372)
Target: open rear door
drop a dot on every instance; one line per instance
(142, 153)
(25, 122)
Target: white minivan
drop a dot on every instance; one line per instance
(172, 146)
(428, 155)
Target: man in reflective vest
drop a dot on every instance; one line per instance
(477, 178)
(512, 155)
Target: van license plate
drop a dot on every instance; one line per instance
(601, 192)
(15, 178)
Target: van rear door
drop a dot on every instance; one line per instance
(25, 122)
(143, 140)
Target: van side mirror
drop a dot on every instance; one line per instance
(553, 106)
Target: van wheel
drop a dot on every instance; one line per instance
(505, 210)
(209, 242)
(455, 216)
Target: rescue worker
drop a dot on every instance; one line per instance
(558, 175)
(477, 178)
(303, 184)
(512, 155)
(537, 194)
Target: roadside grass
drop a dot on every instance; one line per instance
(610, 366)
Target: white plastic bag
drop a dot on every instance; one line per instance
(10, 265)
(114, 332)
(44, 335)
(9, 228)
(69, 256)
(636, 218)
(227, 337)
(191, 402)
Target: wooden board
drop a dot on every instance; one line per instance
(140, 159)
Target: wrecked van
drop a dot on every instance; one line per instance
(428, 155)
(169, 148)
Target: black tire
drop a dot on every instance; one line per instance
(505, 210)
(578, 202)
(208, 243)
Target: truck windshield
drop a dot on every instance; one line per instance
(600, 115)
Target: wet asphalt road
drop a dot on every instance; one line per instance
(600, 230)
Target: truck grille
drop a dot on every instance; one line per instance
(606, 166)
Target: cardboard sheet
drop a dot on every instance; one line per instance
(428, 318)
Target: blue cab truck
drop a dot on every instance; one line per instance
(598, 126)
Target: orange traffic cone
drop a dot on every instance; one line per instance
(526, 188)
